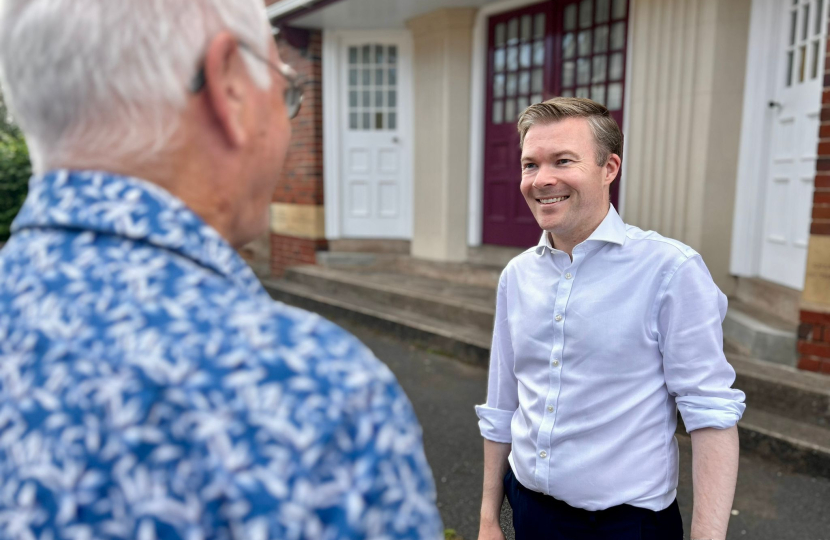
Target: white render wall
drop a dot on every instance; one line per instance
(687, 69)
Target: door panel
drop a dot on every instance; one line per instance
(376, 197)
(794, 137)
(560, 47)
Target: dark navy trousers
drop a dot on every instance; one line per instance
(541, 517)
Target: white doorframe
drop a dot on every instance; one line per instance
(331, 133)
(332, 115)
(475, 211)
(759, 86)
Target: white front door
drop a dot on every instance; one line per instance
(375, 163)
(793, 141)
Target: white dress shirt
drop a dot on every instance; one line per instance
(593, 357)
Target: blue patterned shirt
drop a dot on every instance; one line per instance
(150, 388)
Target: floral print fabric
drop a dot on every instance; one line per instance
(150, 388)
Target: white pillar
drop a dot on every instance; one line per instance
(442, 63)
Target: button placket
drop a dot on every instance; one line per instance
(545, 435)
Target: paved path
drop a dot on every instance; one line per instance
(772, 504)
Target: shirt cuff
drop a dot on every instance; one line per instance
(709, 412)
(494, 424)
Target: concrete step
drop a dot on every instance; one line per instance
(794, 445)
(426, 297)
(466, 343)
(760, 335)
(798, 446)
(788, 413)
(783, 391)
(777, 300)
(475, 274)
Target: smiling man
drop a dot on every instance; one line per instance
(602, 333)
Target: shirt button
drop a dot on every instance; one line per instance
(555, 363)
(568, 275)
(543, 454)
(550, 409)
(558, 318)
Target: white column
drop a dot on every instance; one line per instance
(442, 58)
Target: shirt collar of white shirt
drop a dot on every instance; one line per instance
(611, 230)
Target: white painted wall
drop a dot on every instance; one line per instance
(687, 91)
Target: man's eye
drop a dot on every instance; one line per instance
(527, 166)
(563, 161)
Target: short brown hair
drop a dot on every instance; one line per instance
(607, 134)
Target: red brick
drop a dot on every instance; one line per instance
(814, 317)
(808, 363)
(821, 350)
(302, 179)
(821, 228)
(289, 251)
(824, 149)
(825, 368)
(822, 182)
(821, 211)
(818, 333)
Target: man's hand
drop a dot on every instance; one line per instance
(490, 531)
(495, 467)
(714, 474)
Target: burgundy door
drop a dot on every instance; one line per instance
(557, 47)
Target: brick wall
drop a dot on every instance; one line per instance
(302, 180)
(292, 251)
(814, 330)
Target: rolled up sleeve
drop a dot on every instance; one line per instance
(502, 388)
(689, 322)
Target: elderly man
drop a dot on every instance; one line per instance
(149, 387)
(602, 333)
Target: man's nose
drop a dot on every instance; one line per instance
(545, 177)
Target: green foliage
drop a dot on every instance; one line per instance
(7, 126)
(450, 534)
(15, 170)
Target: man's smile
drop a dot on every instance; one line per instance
(553, 200)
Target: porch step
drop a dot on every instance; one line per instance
(415, 311)
(788, 414)
(429, 297)
(784, 391)
(796, 445)
(476, 274)
(762, 295)
(760, 335)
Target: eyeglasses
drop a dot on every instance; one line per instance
(293, 92)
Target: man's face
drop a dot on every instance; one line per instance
(563, 185)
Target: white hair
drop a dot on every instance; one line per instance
(109, 77)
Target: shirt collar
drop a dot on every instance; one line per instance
(611, 230)
(133, 209)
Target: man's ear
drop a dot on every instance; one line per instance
(226, 87)
(611, 167)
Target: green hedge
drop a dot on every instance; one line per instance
(15, 171)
